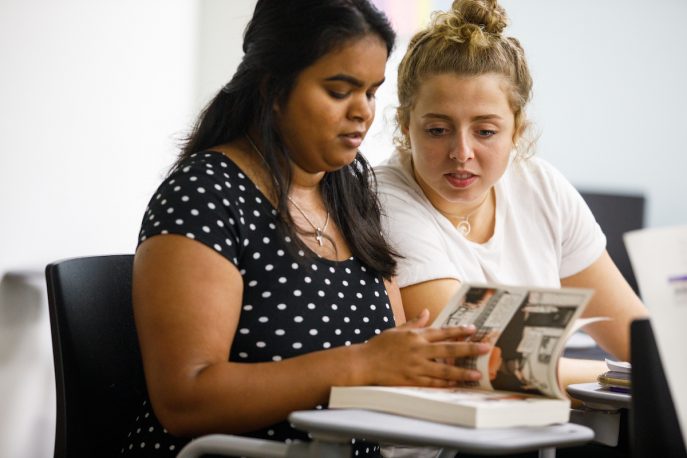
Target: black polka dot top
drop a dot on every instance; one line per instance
(292, 304)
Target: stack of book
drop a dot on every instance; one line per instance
(617, 378)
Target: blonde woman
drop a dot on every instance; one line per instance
(465, 200)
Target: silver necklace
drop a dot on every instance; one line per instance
(319, 231)
(463, 225)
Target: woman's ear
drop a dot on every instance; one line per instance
(263, 91)
(405, 130)
(516, 137)
(520, 126)
(403, 120)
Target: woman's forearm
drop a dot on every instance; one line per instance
(579, 371)
(239, 397)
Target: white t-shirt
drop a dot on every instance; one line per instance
(544, 230)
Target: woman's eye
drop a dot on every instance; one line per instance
(436, 131)
(486, 133)
(371, 95)
(338, 95)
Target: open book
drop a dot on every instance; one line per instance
(519, 387)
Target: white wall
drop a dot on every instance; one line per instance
(92, 96)
(219, 48)
(610, 94)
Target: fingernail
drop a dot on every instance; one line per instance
(483, 348)
(474, 375)
(467, 327)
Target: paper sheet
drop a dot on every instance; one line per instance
(619, 366)
(659, 261)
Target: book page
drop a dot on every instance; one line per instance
(659, 262)
(528, 329)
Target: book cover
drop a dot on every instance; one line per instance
(457, 406)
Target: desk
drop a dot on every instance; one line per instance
(341, 425)
(332, 431)
(601, 410)
(595, 396)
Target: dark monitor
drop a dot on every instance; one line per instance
(617, 214)
(654, 427)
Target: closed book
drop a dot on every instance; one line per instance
(455, 406)
(613, 379)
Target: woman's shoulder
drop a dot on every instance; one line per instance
(532, 166)
(395, 178)
(203, 167)
(212, 174)
(406, 211)
(537, 175)
(205, 197)
(212, 160)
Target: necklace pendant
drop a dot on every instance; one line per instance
(318, 235)
(464, 227)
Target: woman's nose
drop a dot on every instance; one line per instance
(461, 150)
(362, 108)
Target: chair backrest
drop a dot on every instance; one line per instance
(98, 368)
(654, 426)
(617, 214)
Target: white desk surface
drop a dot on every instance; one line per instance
(595, 396)
(345, 424)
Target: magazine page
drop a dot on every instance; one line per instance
(659, 261)
(527, 328)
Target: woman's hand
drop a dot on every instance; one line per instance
(413, 354)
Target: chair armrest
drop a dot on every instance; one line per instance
(225, 444)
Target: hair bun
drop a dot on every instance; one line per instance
(488, 15)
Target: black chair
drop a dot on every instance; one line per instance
(617, 214)
(98, 371)
(654, 426)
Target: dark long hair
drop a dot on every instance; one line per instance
(281, 40)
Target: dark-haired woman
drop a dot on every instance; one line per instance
(261, 278)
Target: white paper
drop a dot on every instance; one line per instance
(659, 261)
(619, 366)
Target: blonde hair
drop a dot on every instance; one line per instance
(467, 41)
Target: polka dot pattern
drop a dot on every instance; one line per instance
(292, 304)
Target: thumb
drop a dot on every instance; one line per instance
(419, 321)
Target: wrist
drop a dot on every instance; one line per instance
(358, 372)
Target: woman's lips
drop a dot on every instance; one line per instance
(460, 179)
(352, 140)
